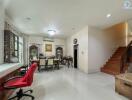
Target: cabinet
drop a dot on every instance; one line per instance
(123, 84)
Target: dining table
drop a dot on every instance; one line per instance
(56, 62)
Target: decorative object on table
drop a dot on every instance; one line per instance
(67, 60)
(64, 60)
(123, 84)
(48, 47)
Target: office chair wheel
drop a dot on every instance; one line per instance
(31, 91)
(33, 98)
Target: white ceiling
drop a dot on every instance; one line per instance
(65, 16)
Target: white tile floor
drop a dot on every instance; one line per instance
(130, 68)
(71, 84)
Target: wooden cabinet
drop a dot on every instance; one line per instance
(123, 85)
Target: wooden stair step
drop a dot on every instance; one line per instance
(113, 65)
(112, 62)
(112, 68)
(115, 59)
(108, 71)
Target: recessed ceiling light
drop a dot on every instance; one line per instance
(51, 32)
(108, 15)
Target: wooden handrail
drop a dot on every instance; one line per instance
(124, 57)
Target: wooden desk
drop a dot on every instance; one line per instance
(7, 71)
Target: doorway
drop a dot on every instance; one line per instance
(76, 56)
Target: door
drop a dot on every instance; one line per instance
(75, 56)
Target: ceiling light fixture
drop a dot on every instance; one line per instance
(51, 32)
(108, 15)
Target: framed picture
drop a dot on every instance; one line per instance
(48, 47)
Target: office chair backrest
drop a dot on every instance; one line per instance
(28, 78)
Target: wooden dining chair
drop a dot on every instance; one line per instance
(42, 63)
(50, 63)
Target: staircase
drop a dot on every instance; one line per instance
(113, 65)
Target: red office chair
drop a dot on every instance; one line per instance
(19, 82)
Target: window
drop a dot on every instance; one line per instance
(13, 48)
(20, 49)
(16, 46)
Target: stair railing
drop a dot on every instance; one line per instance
(124, 57)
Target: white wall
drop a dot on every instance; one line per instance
(39, 41)
(100, 48)
(2, 15)
(102, 44)
(35, 39)
(96, 46)
(82, 37)
(55, 44)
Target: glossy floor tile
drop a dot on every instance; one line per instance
(72, 84)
